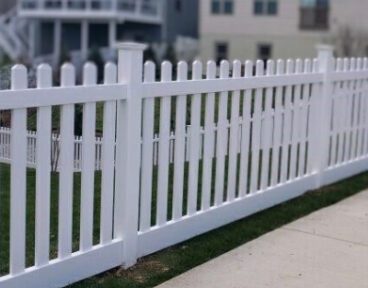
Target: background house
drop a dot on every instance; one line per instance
(58, 29)
(250, 29)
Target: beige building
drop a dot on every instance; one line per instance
(250, 29)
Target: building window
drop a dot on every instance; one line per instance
(221, 51)
(29, 4)
(126, 5)
(264, 52)
(76, 5)
(71, 35)
(215, 8)
(314, 14)
(47, 30)
(272, 7)
(228, 7)
(98, 5)
(266, 7)
(98, 35)
(222, 7)
(53, 4)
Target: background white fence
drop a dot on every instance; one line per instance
(5, 157)
(262, 139)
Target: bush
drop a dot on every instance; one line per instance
(150, 55)
(64, 56)
(96, 57)
(170, 54)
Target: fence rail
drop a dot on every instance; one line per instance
(178, 156)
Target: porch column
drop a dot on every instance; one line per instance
(57, 42)
(138, 7)
(112, 34)
(84, 40)
(32, 40)
(114, 5)
(112, 39)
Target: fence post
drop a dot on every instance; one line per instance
(128, 150)
(322, 121)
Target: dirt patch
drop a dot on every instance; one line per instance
(141, 271)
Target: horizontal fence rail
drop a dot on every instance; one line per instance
(5, 154)
(164, 154)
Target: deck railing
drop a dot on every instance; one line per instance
(143, 9)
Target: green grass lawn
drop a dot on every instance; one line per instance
(30, 226)
(159, 267)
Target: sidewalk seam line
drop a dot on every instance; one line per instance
(325, 236)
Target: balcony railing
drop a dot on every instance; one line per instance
(140, 8)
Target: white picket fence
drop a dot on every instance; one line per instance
(262, 139)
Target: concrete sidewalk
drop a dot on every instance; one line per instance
(328, 248)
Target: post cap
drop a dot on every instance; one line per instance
(131, 46)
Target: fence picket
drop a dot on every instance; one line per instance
(365, 141)
(277, 135)
(303, 121)
(180, 140)
(221, 139)
(363, 111)
(350, 115)
(341, 109)
(18, 178)
(43, 169)
(195, 122)
(88, 162)
(312, 133)
(332, 139)
(295, 124)
(66, 168)
(347, 114)
(284, 174)
(108, 159)
(355, 106)
(267, 130)
(163, 154)
(335, 119)
(234, 136)
(256, 131)
(147, 150)
(360, 111)
(245, 134)
(209, 141)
